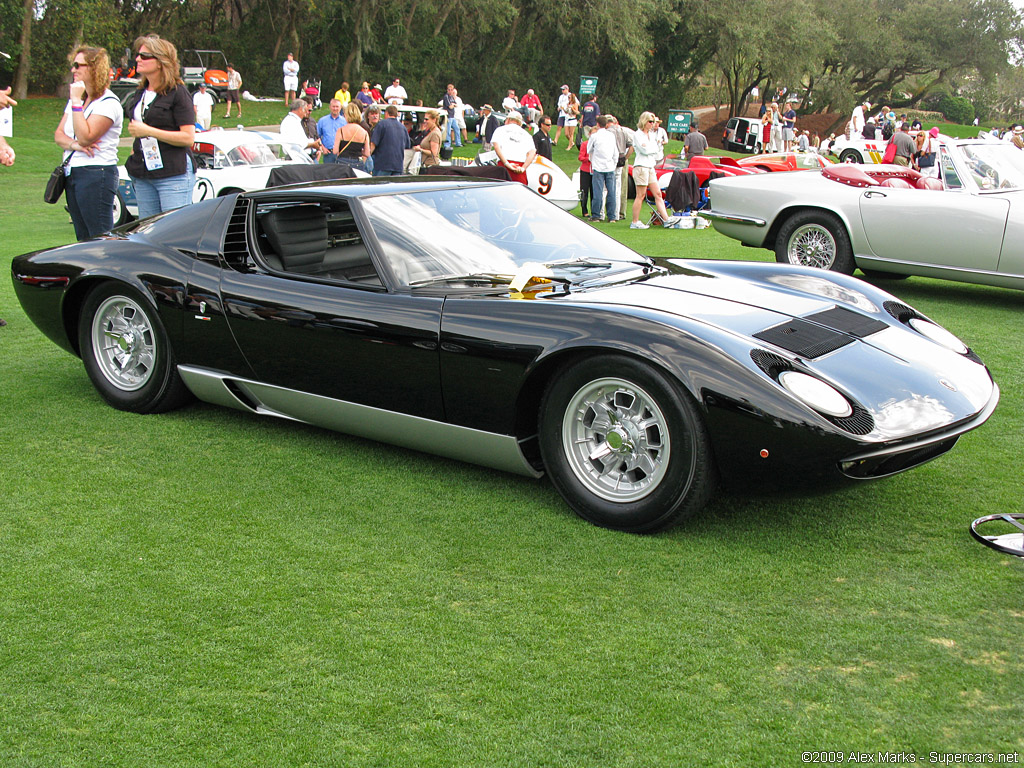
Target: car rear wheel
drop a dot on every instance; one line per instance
(815, 239)
(851, 156)
(625, 445)
(126, 351)
(121, 215)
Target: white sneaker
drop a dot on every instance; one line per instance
(638, 225)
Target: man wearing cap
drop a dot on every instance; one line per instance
(486, 127)
(203, 103)
(857, 119)
(514, 147)
(1017, 136)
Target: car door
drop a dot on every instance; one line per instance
(951, 228)
(338, 336)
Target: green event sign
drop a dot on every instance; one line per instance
(588, 85)
(679, 120)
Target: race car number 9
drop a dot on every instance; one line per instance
(544, 183)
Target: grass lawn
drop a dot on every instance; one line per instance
(208, 588)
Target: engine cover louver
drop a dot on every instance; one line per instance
(820, 333)
(236, 245)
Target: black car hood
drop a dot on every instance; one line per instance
(907, 382)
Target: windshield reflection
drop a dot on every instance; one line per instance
(995, 165)
(492, 230)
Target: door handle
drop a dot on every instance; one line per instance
(873, 193)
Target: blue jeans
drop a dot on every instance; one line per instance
(452, 128)
(90, 194)
(604, 195)
(158, 195)
(387, 173)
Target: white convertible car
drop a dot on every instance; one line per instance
(226, 162)
(967, 225)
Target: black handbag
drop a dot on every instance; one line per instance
(56, 183)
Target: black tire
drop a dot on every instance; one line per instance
(630, 188)
(126, 351)
(876, 274)
(851, 156)
(815, 239)
(594, 411)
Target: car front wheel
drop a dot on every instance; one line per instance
(126, 351)
(851, 156)
(625, 445)
(815, 239)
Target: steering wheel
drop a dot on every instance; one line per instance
(508, 229)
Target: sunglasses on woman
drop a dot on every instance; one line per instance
(145, 56)
(78, 64)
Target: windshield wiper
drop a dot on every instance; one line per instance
(586, 263)
(492, 278)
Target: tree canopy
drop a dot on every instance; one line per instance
(647, 54)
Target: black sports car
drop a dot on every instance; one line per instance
(475, 320)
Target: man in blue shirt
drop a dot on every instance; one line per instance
(448, 104)
(388, 143)
(327, 126)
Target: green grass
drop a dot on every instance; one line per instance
(209, 588)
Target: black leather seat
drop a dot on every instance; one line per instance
(298, 234)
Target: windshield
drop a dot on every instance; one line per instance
(260, 154)
(994, 165)
(486, 234)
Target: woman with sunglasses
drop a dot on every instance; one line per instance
(430, 146)
(163, 124)
(647, 148)
(88, 133)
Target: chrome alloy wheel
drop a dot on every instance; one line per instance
(124, 343)
(616, 439)
(812, 245)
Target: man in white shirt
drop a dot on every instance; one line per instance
(514, 147)
(510, 103)
(604, 158)
(857, 119)
(395, 94)
(291, 127)
(290, 68)
(203, 103)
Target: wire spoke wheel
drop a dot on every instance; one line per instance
(812, 246)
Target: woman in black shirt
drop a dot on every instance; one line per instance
(163, 124)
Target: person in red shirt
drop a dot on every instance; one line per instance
(532, 102)
(585, 178)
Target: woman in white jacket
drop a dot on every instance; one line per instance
(647, 148)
